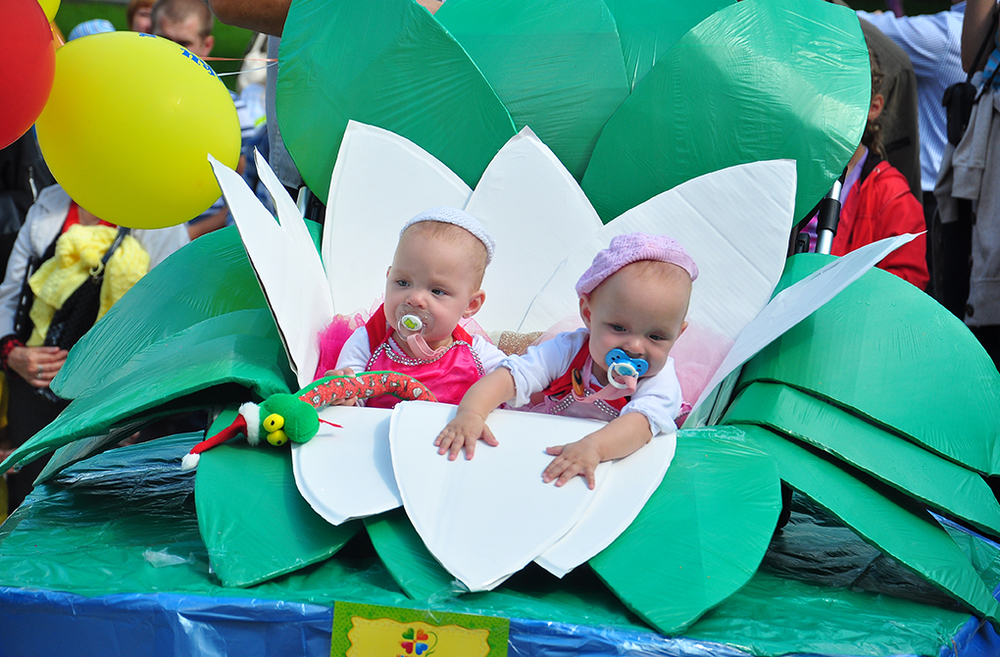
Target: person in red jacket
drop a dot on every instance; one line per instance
(877, 201)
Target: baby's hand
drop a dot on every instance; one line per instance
(344, 371)
(464, 431)
(579, 458)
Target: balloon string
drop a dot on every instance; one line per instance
(249, 70)
(237, 59)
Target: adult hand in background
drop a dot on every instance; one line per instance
(37, 365)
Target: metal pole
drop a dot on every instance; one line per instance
(828, 216)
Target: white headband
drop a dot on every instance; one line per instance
(459, 218)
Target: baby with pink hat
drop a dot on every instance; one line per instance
(633, 302)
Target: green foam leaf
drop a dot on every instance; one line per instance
(648, 28)
(701, 535)
(754, 81)
(887, 351)
(557, 66)
(240, 347)
(252, 518)
(882, 517)
(390, 64)
(937, 482)
(209, 277)
(406, 557)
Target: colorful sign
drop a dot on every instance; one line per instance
(361, 630)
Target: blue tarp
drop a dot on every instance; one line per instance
(123, 522)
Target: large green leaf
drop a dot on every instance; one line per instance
(406, 557)
(194, 332)
(240, 347)
(754, 81)
(936, 482)
(210, 276)
(775, 615)
(881, 516)
(701, 535)
(557, 66)
(648, 28)
(386, 63)
(887, 351)
(252, 518)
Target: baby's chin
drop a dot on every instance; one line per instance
(439, 340)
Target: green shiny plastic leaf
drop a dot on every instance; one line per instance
(775, 615)
(947, 487)
(406, 557)
(557, 66)
(754, 81)
(241, 347)
(882, 517)
(390, 64)
(701, 535)
(91, 533)
(887, 351)
(193, 332)
(210, 276)
(252, 518)
(648, 28)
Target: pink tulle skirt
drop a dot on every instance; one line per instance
(335, 335)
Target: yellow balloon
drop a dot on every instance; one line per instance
(50, 7)
(128, 127)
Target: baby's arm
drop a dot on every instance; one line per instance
(622, 436)
(342, 371)
(353, 358)
(469, 424)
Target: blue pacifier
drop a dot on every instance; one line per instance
(620, 364)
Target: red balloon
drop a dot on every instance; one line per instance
(27, 66)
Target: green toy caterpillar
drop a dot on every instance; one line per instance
(283, 417)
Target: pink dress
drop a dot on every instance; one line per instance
(448, 376)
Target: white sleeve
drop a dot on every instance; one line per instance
(489, 354)
(658, 398)
(542, 364)
(17, 266)
(161, 242)
(356, 352)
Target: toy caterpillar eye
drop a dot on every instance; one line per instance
(273, 422)
(277, 438)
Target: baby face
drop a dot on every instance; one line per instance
(438, 276)
(640, 309)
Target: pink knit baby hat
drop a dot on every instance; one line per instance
(633, 247)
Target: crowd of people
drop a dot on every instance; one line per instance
(41, 228)
(908, 174)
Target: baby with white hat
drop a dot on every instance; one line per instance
(432, 284)
(633, 302)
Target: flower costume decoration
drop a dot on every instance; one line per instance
(819, 409)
